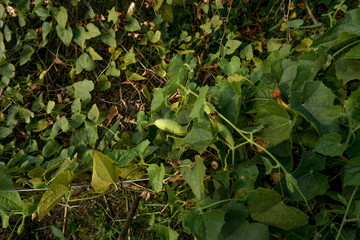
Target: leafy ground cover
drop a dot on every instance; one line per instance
(244, 116)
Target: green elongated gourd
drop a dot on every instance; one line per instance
(170, 126)
(226, 134)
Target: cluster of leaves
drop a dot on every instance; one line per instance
(266, 139)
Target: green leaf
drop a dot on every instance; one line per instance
(51, 148)
(313, 101)
(330, 145)
(94, 113)
(156, 176)
(277, 122)
(123, 157)
(93, 54)
(130, 56)
(76, 106)
(273, 44)
(84, 62)
(133, 26)
(46, 28)
(247, 231)
(347, 69)
(108, 37)
(165, 233)
(7, 70)
(38, 104)
(198, 138)
(198, 109)
(245, 178)
(65, 34)
(83, 89)
(295, 23)
(204, 226)
(352, 105)
(112, 16)
(232, 67)
(61, 17)
(112, 70)
(350, 24)
(5, 131)
(231, 46)
(58, 234)
(352, 173)
(9, 200)
(134, 76)
(311, 185)
(4, 219)
(80, 36)
(104, 84)
(104, 172)
(25, 114)
(194, 174)
(93, 31)
(265, 206)
(247, 53)
(154, 37)
(26, 54)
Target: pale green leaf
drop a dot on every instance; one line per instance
(156, 176)
(133, 26)
(84, 62)
(65, 34)
(9, 200)
(62, 17)
(83, 89)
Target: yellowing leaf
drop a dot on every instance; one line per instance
(104, 172)
(53, 195)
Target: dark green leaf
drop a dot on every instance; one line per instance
(122, 157)
(108, 37)
(204, 226)
(352, 173)
(266, 206)
(330, 145)
(198, 138)
(26, 54)
(165, 233)
(277, 122)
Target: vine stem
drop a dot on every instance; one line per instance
(346, 213)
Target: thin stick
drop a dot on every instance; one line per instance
(129, 218)
(65, 217)
(315, 21)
